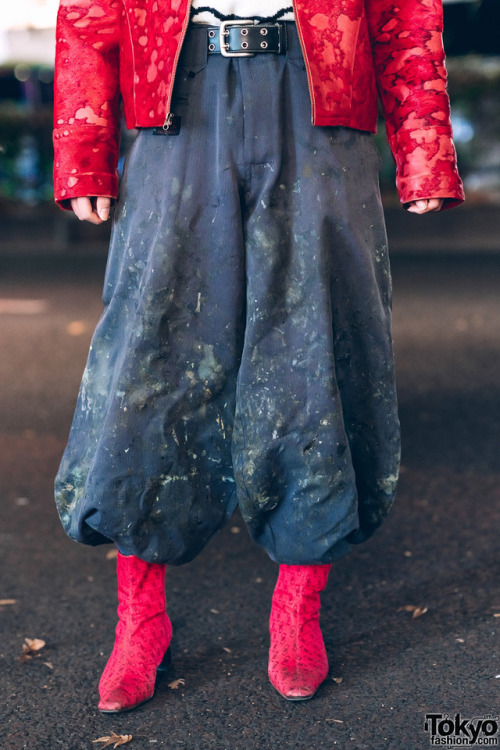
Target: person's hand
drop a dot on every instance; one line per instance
(425, 205)
(95, 210)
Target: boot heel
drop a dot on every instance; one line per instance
(165, 662)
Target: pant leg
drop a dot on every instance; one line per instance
(148, 463)
(316, 439)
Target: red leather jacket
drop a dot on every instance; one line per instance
(352, 48)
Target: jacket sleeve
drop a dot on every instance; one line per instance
(410, 69)
(86, 99)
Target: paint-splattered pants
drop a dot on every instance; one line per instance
(244, 356)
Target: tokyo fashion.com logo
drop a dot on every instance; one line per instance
(451, 732)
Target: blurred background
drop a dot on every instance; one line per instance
(472, 40)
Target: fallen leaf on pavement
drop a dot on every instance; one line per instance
(114, 739)
(338, 680)
(417, 611)
(175, 684)
(31, 647)
(6, 602)
(33, 644)
(112, 554)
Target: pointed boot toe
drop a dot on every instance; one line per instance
(297, 684)
(121, 701)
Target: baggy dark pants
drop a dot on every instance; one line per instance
(244, 356)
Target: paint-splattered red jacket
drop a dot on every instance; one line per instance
(351, 47)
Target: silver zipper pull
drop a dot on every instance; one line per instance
(168, 121)
(171, 126)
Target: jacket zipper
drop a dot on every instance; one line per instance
(306, 61)
(170, 115)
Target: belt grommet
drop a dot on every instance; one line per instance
(263, 32)
(244, 45)
(264, 45)
(211, 47)
(244, 32)
(211, 34)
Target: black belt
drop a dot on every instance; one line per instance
(246, 38)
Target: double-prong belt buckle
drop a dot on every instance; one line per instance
(225, 47)
(224, 32)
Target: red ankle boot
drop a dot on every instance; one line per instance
(142, 639)
(297, 658)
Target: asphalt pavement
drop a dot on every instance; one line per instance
(411, 619)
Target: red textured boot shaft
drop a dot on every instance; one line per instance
(143, 636)
(297, 658)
